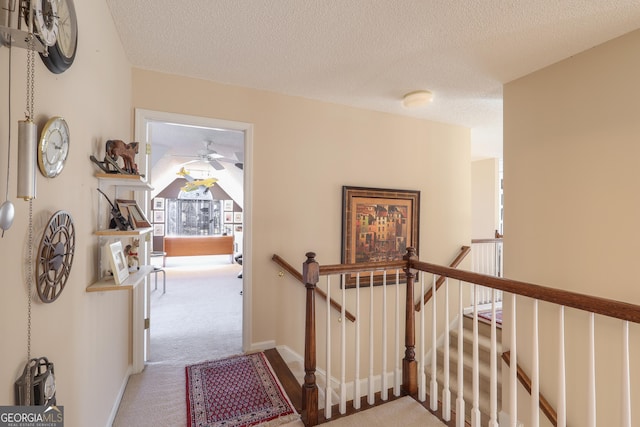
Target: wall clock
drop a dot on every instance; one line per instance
(55, 256)
(45, 20)
(53, 147)
(61, 54)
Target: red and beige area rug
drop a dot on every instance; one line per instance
(234, 392)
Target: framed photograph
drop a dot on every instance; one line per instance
(130, 209)
(227, 218)
(118, 262)
(228, 205)
(378, 225)
(158, 216)
(158, 203)
(237, 217)
(158, 230)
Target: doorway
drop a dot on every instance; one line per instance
(192, 142)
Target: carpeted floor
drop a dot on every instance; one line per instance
(199, 318)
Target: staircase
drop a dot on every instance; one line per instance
(484, 351)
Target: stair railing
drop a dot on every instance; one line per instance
(487, 258)
(402, 276)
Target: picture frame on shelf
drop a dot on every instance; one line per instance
(378, 225)
(131, 210)
(158, 216)
(158, 203)
(118, 261)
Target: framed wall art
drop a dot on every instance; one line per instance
(378, 225)
(118, 262)
(158, 203)
(130, 209)
(158, 216)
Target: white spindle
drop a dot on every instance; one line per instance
(513, 371)
(356, 381)
(384, 392)
(626, 377)
(434, 346)
(562, 387)
(493, 377)
(535, 368)
(460, 397)
(591, 421)
(343, 350)
(372, 392)
(446, 391)
(475, 409)
(398, 349)
(422, 380)
(327, 392)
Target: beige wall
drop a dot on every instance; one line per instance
(303, 153)
(485, 195)
(572, 157)
(84, 334)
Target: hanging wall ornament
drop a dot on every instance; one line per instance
(28, 136)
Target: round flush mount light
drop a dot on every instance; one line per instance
(417, 98)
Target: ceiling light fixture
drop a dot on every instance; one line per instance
(417, 99)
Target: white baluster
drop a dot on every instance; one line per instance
(398, 349)
(384, 392)
(626, 377)
(535, 368)
(475, 409)
(422, 377)
(372, 392)
(460, 398)
(446, 391)
(434, 346)
(562, 387)
(493, 377)
(356, 381)
(513, 371)
(343, 350)
(591, 421)
(327, 388)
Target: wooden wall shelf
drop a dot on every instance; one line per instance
(109, 284)
(113, 232)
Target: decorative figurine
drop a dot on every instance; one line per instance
(114, 150)
(132, 254)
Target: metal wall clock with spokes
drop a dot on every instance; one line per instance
(55, 256)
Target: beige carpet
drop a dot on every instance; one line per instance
(199, 318)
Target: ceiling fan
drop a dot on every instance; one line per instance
(208, 154)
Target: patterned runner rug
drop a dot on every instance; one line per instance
(486, 315)
(237, 391)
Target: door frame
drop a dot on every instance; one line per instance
(140, 335)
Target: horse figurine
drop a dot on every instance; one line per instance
(116, 148)
(132, 254)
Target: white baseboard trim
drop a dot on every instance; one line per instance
(116, 404)
(261, 346)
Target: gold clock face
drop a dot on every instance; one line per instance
(55, 256)
(53, 148)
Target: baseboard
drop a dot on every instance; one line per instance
(116, 404)
(261, 346)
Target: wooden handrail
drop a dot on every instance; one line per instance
(464, 251)
(524, 379)
(606, 307)
(295, 273)
(492, 240)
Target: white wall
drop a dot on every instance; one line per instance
(572, 157)
(485, 198)
(86, 335)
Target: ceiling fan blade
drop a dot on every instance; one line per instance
(215, 164)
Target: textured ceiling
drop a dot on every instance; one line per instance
(368, 53)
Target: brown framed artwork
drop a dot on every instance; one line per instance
(131, 210)
(378, 225)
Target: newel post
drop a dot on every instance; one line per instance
(409, 364)
(310, 275)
